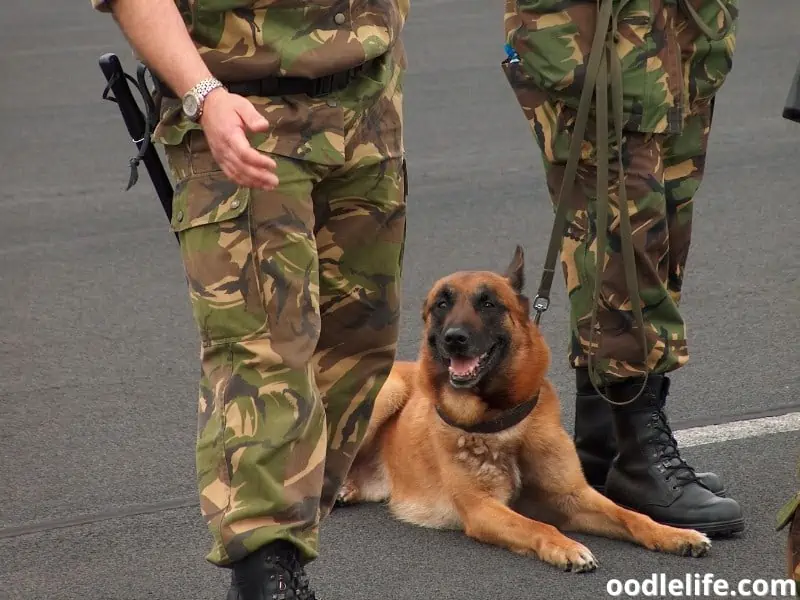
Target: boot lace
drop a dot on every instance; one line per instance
(675, 467)
(298, 582)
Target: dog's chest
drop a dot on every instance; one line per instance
(491, 461)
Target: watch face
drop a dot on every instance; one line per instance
(190, 105)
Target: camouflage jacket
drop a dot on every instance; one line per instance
(667, 62)
(248, 39)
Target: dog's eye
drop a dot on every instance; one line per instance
(441, 304)
(488, 304)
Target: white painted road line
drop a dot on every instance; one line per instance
(737, 430)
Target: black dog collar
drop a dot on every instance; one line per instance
(506, 420)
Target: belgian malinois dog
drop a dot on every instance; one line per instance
(474, 425)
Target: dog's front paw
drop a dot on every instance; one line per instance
(569, 556)
(348, 494)
(683, 542)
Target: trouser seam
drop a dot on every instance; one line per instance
(228, 476)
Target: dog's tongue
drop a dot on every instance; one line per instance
(462, 366)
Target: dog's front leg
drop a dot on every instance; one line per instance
(588, 511)
(488, 520)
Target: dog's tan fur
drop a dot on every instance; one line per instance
(436, 475)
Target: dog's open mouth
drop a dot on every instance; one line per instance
(466, 371)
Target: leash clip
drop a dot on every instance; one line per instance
(540, 305)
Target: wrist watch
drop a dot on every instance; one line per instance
(192, 102)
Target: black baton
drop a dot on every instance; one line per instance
(791, 110)
(139, 126)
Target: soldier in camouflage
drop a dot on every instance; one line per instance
(665, 60)
(290, 205)
(789, 513)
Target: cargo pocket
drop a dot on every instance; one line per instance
(211, 215)
(546, 46)
(528, 94)
(550, 123)
(710, 60)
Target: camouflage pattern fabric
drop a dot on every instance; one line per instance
(553, 38)
(789, 513)
(296, 294)
(788, 516)
(668, 113)
(248, 39)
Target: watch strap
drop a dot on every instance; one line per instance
(201, 89)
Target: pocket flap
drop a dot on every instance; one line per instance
(207, 198)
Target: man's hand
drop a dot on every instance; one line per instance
(225, 119)
(155, 29)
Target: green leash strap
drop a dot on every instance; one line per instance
(604, 60)
(596, 82)
(701, 25)
(542, 300)
(611, 62)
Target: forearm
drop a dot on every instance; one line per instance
(156, 31)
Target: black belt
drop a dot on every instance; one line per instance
(286, 86)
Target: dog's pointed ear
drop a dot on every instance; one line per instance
(515, 273)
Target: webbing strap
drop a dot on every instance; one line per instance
(610, 56)
(603, 62)
(701, 25)
(542, 300)
(596, 83)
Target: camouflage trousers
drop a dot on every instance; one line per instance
(296, 295)
(663, 172)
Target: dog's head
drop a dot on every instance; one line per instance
(478, 332)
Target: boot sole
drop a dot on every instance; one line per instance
(723, 529)
(602, 489)
(718, 529)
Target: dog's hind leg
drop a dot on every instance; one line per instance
(588, 511)
(367, 481)
(390, 400)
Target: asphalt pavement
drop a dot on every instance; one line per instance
(99, 354)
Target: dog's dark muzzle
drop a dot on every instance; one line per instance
(456, 340)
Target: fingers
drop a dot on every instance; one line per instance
(239, 146)
(246, 165)
(248, 176)
(252, 119)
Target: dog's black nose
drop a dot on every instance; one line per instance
(456, 337)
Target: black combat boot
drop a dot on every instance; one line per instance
(595, 441)
(273, 572)
(594, 432)
(648, 474)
